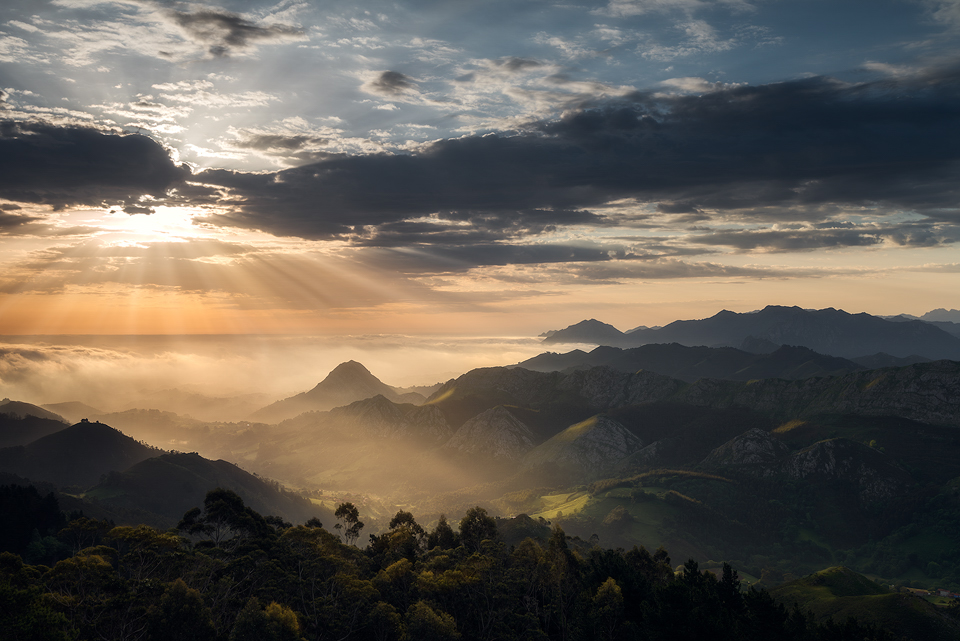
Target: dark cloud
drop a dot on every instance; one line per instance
(221, 32)
(61, 166)
(392, 83)
(797, 150)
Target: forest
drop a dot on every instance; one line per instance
(226, 572)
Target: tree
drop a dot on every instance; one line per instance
(180, 616)
(426, 624)
(476, 527)
(348, 520)
(442, 536)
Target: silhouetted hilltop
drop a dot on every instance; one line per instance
(170, 484)
(692, 363)
(77, 455)
(827, 331)
(348, 382)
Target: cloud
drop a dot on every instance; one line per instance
(62, 166)
(224, 32)
(391, 83)
(802, 149)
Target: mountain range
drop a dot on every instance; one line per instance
(692, 363)
(826, 331)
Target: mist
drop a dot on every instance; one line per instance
(116, 373)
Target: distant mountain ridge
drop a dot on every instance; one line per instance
(692, 363)
(827, 331)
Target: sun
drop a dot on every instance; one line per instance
(164, 224)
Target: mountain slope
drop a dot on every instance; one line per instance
(348, 382)
(587, 448)
(77, 455)
(17, 430)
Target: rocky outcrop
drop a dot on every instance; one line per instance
(754, 447)
(586, 448)
(495, 433)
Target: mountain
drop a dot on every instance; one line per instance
(73, 411)
(588, 331)
(21, 409)
(586, 449)
(170, 484)
(77, 455)
(495, 433)
(380, 416)
(826, 331)
(838, 593)
(348, 382)
(692, 363)
(942, 315)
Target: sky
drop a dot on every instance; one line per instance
(474, 168)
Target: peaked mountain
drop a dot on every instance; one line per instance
(170, 484)
(77, 455)
(827, 331)
(692, 363)
(348, 382)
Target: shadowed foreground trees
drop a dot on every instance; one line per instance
(228, 574)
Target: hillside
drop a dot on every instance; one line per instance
(77, 455)
(826, 331)
(170, 484)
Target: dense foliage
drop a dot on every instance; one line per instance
(228, 573)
